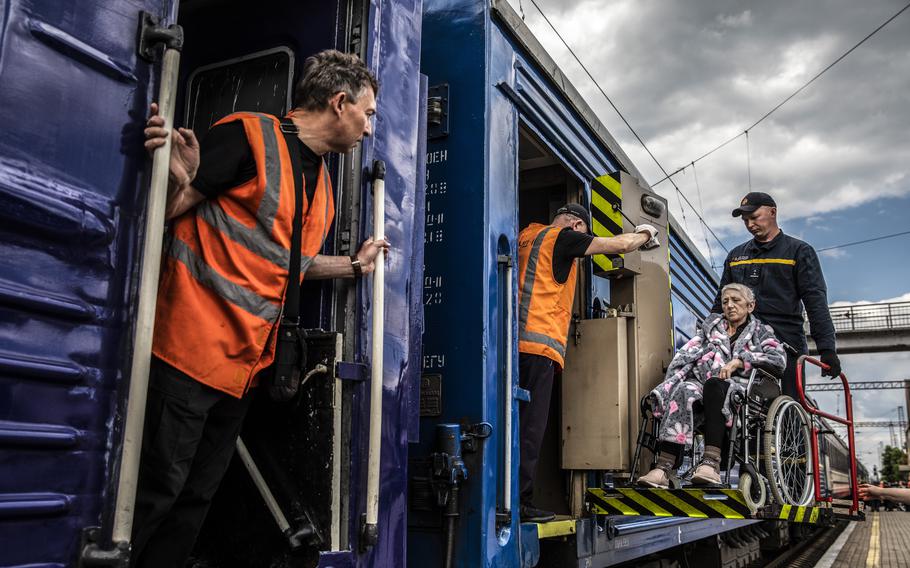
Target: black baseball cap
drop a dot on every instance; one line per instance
(752, 201)
(576, 210)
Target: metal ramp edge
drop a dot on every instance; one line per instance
(700, 503)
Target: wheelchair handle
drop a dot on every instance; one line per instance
(848, 422)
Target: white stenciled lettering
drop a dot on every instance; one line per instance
(437, 157)
(437, 188)
(432, 298)
(434, 361)
(433, 236)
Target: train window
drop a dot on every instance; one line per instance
(685, 321)
(259, 82)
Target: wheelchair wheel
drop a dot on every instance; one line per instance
(753, 491)
(787, 452)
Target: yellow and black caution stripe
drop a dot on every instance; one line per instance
(695, 503)
(797, 514)
(606, 191)
(563, 527)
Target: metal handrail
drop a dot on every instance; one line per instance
(371, 517)
(871, 317)
(847, 421)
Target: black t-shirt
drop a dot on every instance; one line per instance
(569, 246)
(226, 161)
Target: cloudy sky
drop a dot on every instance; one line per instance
(688, 75)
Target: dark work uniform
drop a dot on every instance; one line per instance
(191, 428)
(785, 276)
(535, 372)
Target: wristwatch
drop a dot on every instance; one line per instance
(355, 266)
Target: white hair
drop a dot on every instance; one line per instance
(742, 289)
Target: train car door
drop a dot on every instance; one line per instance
(73, 97)
(311, 453)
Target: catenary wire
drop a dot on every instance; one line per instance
(883, 237)
(748, 161)
(626, 122)
(702, 207)
(745, 132)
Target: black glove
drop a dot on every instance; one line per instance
(829, 358)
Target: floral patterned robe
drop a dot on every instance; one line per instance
(702, 357)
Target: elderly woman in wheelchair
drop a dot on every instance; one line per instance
(712, 367)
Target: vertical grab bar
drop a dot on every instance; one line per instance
(370, 528)
(145, 310)
(506, 504)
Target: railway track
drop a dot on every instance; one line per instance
(809, 551)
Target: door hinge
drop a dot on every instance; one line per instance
(438, 111)
(348, 371)
(151, 36)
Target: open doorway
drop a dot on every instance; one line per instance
(544, 185)
(243, 56)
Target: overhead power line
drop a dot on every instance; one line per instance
(745, 132)
(626, 122)
(883, 237)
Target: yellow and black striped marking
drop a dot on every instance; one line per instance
(796, 514)
(695, 503)
(606, 221)
(564, 527)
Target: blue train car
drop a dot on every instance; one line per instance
(511, 141)
(481, 134)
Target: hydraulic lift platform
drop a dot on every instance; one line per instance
(706, 503)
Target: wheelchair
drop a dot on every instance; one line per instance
(769, 441)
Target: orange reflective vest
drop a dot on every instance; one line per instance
(226, 266)
(544, 305)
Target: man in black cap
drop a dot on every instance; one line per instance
(786, 276)
(546, 291)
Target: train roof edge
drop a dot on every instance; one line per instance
(513, 23)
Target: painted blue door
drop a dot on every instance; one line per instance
(73, 97)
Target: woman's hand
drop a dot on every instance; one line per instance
(867, 492)
(727, 370)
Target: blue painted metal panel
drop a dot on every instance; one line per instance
(72, 99)
(394, 55)
(458, 267)
(494, 86)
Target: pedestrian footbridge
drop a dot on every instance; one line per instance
(870, 328)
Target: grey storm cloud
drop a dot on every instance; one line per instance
(689, 75)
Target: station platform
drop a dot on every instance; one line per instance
(879, 542)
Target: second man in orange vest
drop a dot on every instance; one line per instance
(547, 272)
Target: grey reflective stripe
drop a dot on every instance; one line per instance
(236, 294)
(534, 337)
(325, 211)
(255, 239)
(268, 207)
(305, 262)
(530, 275)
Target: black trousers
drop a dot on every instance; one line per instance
(535, 374)
(788, 379)
(187, 445)
(713, 401)
(715, 425)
